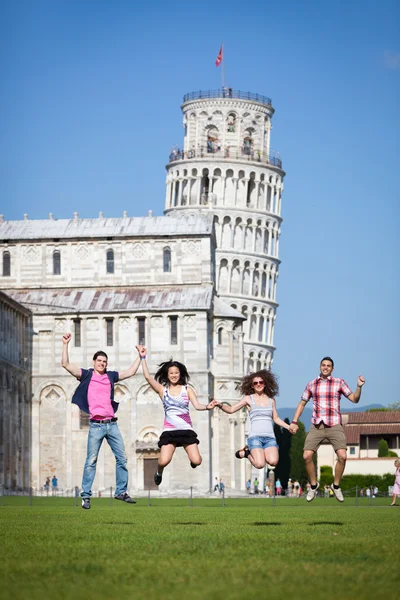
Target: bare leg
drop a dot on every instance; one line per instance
(310, 468)
(271, 456)
(340, 465)
(257, 458)
(192, 450)
(165, 457)
(393, 500)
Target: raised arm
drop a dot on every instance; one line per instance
(276, 418)
(131, 371)
(232, 409)
(71, 368)
(193, 399)
(355, 396)
(157, 387)
(293, 428)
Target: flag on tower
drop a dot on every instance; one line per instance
(219, 58)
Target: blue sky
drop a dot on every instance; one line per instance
(90, 106)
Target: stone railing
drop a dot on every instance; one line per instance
(217, 152)
(227, 93)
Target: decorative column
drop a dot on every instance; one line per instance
(235, 181)
(269, 240)
(223, 184)
(257, 192)
(232, 421)
(180, 183)
(246, 189)
(198, 184)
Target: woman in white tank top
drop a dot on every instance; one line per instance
(170, 383)
(259, 390)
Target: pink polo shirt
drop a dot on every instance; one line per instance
(99, 400)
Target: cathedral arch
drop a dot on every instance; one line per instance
(147, 439)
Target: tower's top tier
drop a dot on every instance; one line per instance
(226, 124)
(228, 93)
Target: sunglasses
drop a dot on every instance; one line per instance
(258, 383)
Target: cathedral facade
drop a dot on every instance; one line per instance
(197, 284)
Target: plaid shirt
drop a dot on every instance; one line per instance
(326, 395)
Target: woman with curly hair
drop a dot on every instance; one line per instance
(259, 390)
(170, 383)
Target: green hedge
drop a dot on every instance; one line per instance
(363, 481)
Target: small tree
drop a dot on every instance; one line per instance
(383, 448)
(326, 476)
(298, 468)
(284, 439)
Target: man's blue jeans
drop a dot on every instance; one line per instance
(97, 433)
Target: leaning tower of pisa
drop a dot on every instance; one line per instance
(226, 167)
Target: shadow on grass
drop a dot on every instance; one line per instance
(119, 523)
(326, 523)
(265, 523)
(190, 523)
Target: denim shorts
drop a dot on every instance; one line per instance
(262, 441)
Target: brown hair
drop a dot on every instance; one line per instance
(270, 379)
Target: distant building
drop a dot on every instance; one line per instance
(15, 393)
(364, 430)
(198, 284)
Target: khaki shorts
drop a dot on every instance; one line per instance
(320, 433)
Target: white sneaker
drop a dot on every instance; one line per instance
(338, 493)
(311, 494)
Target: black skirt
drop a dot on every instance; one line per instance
(178, 437)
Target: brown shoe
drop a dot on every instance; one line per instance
(244, 451)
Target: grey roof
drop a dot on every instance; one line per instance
(111, 300)
(6, 299)
(188, 224)
(222, 309)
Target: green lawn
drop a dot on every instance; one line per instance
(173, 550)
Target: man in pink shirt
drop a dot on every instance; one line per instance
(326, 422)
(95, 396)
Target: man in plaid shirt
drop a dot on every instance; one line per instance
(326, 422)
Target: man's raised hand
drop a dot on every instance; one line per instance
(360, 381)
(66, 338)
